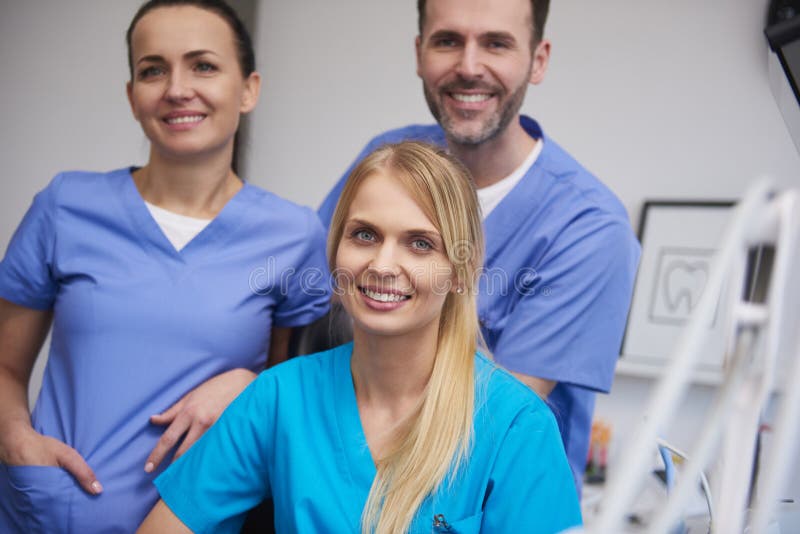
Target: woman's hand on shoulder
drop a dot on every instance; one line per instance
(191, 416)
(23, 446)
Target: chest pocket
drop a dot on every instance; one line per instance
(467, 525)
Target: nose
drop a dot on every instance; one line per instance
(385, 262)
(470, 64)
(179, 88)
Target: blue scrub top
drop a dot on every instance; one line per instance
(138, 324)
(296, 434)
(560, 263)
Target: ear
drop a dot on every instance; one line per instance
(252, 89)
(540, 61)
(456, 285)
(417, 51)
(129, 91)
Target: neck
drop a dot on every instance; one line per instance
(491, 161)
(197, 188)
(391, 372)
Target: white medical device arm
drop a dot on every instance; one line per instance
(753, 339)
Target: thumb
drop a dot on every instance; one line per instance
(69, 459)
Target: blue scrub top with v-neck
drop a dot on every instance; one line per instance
(295, 434)
(138, 324)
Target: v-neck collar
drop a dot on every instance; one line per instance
(508, 216)
(155, 242)
(354, 442)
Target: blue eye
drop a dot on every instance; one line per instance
(422, 244)
(205, 67)
(149, 72)
(364, 235)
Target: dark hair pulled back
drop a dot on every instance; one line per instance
(244, 44)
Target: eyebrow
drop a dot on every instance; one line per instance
(357, 222)
(445, 34)
(452, 34)
(503, 36)
(432, 234)
(155, 58)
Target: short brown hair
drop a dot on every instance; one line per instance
(539, 10)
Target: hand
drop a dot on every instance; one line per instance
(28, 447)
(191, 416)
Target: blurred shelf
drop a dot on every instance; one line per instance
(638, 369)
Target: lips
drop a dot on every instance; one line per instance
(384, 295)
(471, 98)
(184, 119)
(470, 92)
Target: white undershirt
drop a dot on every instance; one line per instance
(491, 195)
(179, 229)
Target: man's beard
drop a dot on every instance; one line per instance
(493, 126)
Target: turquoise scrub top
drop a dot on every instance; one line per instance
(295, 434)
(561, 258)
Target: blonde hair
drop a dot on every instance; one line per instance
(436, 440)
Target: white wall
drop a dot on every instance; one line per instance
(62, 103)
(335, 74)
(659, 99)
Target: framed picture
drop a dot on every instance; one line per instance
(679, 239)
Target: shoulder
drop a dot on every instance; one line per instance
(76, 185)
(429, 133)
(260, 197)
(582, 209)
(265, 207)
(564, 176)
(587, 193)
(501, 398)
(306, 369)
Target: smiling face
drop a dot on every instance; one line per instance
(391, 265)
(475, 61)
(188, 90)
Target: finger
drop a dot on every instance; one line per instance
(168, 439)
(195, 432)
(69, 459)
(169, 415)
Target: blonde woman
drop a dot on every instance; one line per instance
(407, 429)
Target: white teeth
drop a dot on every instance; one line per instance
(471, 98)
(384, 297)
(183, 120)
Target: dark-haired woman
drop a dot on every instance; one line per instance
(162, 284)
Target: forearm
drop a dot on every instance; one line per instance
(14, 417)
(13, 402)
(22, 332)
